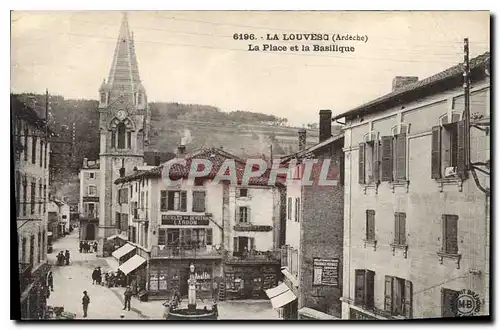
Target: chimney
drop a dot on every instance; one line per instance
(181, 150)
(401, 81)
(325, 124)
(85, 160)
(302, 139)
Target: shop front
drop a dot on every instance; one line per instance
(249, 281)
(135, 270)
(285, 301)
(35, 294)
(169, 276)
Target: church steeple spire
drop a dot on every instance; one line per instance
(124, 73)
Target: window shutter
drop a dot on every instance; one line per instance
(461, 149)
(183, 197)
(451, 232)
(436, 153)
(370, 288)
(402, 228)
(408, 308)
(252, 243)
(396, 229)
(249, 215)
(209, 236)
(359, 287)
(113, 139)
(87, 175)
(237, 192)
(235, 244)
(401, 156)
(387, 158)
(289, 208)
(388, 294)
(361, 171)
(370, 224)
(376, 161)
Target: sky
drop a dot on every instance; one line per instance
(192, 57)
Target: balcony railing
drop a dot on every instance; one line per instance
(89, 215)
(25, 277)
(185, 251)
(254, 257)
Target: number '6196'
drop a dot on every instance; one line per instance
(243, 36)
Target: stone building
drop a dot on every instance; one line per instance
(123, 127)
(416, 229)
(230, 232)
(313, 250)
(88, 206)
(31, 156)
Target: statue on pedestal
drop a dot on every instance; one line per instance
(191, 289)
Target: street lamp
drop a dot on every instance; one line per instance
(191, 268)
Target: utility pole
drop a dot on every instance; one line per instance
(467, 103)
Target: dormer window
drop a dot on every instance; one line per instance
(103, 97)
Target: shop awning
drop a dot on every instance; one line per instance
(315, 315)
(132, 264)
(120, 252)
(280, 295)
(117, 236)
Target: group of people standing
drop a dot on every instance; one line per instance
(97, 276)
(88, 247)
(63, 258)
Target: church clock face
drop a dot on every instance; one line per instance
(121, 114)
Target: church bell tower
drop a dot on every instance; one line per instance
(123, 129)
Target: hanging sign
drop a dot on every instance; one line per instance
(185, 220)
(326, 271)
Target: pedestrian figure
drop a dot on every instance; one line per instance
(50, 281)
(60, 258)
(81, 246)
(98, 275)
(128, 297)
(95, 247)
(85, 303)
(66, 257)
(94, 276)
(87, 247)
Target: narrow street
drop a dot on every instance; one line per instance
(107, 303)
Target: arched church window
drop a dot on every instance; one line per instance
(113, 139)
(121, 135)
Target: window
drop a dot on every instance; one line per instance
(244, 214)
(25, 149)
(364, 287)
(41, 153)
(209, 236)
(398, 296)
(39, 247)
(173, 200)
(121, 135)
(44, 198)
(92, 175)
(33, 196)
(243, 192)
(297, 209)
(162, 236)
(123, 196)
(450, 234)
(448, 299)
(243, 243)
(139, 98)
(369, 162)
(45, 155)
(40, 189)
(92, 190)
(370, 225)
(448, 154)
(173, 236)
(25, 194)
(103, 97)
(23, 250)
(393, 157)
(289, 211)
(141, 201)
(129, 140)
(33, 149)
(117, 219)
(400, 228)
(32, 250)
(198, 201)
(113, 139)
(18, 192)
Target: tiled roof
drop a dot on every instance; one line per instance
(23, 111)
(214, 155)
(413, 91)
(303, 153)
